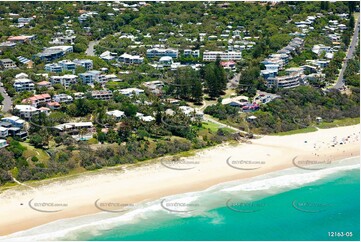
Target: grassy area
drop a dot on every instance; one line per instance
(32, 151)
(297, 131)
(214, 127)
(339, 122)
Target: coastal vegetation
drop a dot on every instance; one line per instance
(47, 152)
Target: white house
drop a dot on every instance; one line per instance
(117, 114)
(130, 91)
(26, 111)
(23, 84)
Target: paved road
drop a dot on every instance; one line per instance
(90, 51)
(339, 84)
(7, 103)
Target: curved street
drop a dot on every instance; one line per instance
(340, 83)
(7, 103)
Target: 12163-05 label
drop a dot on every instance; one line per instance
(339, 234)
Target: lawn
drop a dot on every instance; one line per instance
(214, 127)
(32, 151)
(339, 122)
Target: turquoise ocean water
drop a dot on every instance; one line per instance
(292, 204)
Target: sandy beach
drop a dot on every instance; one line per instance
(24, 207)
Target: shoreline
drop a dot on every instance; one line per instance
(152, 181)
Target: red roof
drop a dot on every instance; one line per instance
(228, 63)
(43, 83)
(53, 104)
(36, 97)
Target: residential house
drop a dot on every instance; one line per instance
(130, 91)
(54, 52)
(3, 143)
(192, 112)
(130, 59)
(75, 127)
(26, 61)
(26, 111)
(6, 64)
(37, 100)
(79, 95)
(23, 84)
(144, 118)
(193, 53)
(14, 121)
(53, 105)
(238, 101)
(43, 84)
(102, 94)
(117, 114)
(3, 132)
(159, 52)
(63, 98)
(165, 61)
(21, 38)
(107, 55)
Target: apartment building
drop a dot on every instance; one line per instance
(23, 84)
(224, 55)
(53, 67)
(37, 100)
(54, 52)
(86, 63)
(90, 77)
(102, 94)
(7, 63)
(159, 52)
(14, 121)
(67, 65)
(65, 80)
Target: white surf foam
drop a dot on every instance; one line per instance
(91, 225)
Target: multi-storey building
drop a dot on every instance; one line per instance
(37, 100)
(63, 98)
(130, 59)
(223, 55)
(102, 94)
(23, 84)
(159, 52)
(65, 80)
